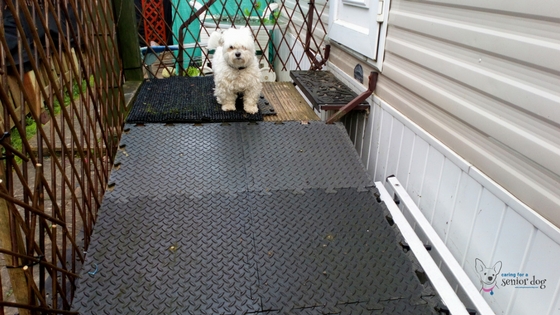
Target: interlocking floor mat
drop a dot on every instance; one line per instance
(187, 99)
(245, 218)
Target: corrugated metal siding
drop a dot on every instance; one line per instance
(476, 218)
(484, 78)
(470, 213)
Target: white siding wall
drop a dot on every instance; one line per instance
(474, 216)
(484, 78)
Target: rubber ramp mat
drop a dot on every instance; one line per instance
(187, 99)
(192, 224)
(235, 157)
(180, 255)
(329, 253)
(332, 252)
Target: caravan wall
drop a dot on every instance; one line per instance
(466, 115)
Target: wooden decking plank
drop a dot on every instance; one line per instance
(288, 103)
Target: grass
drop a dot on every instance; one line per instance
(30, 124)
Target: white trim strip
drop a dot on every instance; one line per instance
(438, 280)
(438, 245)
(517, 205)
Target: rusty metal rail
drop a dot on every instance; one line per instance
(62, 108)
(357, 101)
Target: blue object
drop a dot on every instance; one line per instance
(158, 49)
(92, 273)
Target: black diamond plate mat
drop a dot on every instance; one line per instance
(334, 253)
(170, 255)
(156, 160)
(187, 99)
(188, 159)
(323, 88)
(193, 224)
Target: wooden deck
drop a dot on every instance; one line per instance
(287, 102)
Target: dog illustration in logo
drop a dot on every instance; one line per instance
(487, 276)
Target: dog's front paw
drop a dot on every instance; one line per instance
(251, 109)
(228, 107)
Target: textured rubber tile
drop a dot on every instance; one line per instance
(155, 159)
(329, 250)
(186, 99)
(244, 218)
(297, 156)
(177, 255)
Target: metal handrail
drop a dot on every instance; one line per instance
(183, 26)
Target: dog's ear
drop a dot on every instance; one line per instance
(479, 265)
(220, 37)
(216, 39)
(497, 267)
(247, 30)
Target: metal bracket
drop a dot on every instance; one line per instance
(358, 100)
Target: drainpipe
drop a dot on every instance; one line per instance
(357, 101)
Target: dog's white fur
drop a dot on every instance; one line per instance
(236, 69)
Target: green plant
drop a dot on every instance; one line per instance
(68, 97)
(15, 137)
(29, 121)
(256, 5)
(31, 126)
(275, 16)
(193, 71)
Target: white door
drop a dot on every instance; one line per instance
(356, 24)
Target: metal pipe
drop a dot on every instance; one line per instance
(356, 101)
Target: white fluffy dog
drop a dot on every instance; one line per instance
(236, 69)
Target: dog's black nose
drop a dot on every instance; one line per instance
(237, 54)
(489, 278)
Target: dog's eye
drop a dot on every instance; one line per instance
(230, 47)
